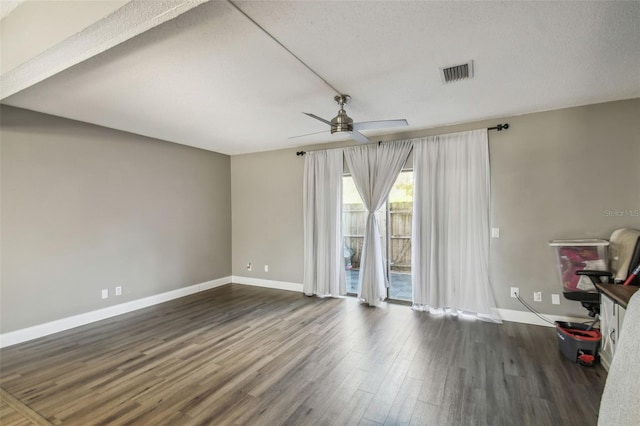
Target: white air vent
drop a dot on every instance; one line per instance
(457, 72)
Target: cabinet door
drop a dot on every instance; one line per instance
(608, 328)
(620, 312)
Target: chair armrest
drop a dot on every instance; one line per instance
(595, 276)
(592, 273)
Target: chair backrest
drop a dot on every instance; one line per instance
(624, 254)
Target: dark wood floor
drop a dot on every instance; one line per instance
(247, 355)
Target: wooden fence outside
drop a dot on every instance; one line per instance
(353, 226)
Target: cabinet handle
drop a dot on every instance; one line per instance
(611, 335)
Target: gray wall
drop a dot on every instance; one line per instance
(553, 175)
(86, 208)
(266, 202)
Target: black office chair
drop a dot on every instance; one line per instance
(624, 257)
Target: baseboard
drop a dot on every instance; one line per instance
(510, 315)
(41, 330)
(258, 282)
(531, 318)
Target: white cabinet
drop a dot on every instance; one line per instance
(611, 317)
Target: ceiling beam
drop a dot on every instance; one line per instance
(8, 6)
(35, 26)
(132, 19)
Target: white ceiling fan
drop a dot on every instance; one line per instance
(343, 123)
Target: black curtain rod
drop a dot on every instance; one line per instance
(499, 127)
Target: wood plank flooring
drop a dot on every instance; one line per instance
(247, 355)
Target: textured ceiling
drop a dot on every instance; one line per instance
(211, 79)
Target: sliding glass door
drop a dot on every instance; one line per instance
(354, 219)
(400, 208)
(394, 219)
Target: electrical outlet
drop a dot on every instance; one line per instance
(266, 268)
(515, 291)
(537, 296)
(249, 267)
(555, 299)
(495, 232)
(105, 293)
(119, 291)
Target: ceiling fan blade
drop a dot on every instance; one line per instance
(308, 134)
(356, 135)
(317, 118)
(365, 125)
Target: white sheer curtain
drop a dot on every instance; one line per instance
(450, 241)
(374, 169)
(323, 247)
